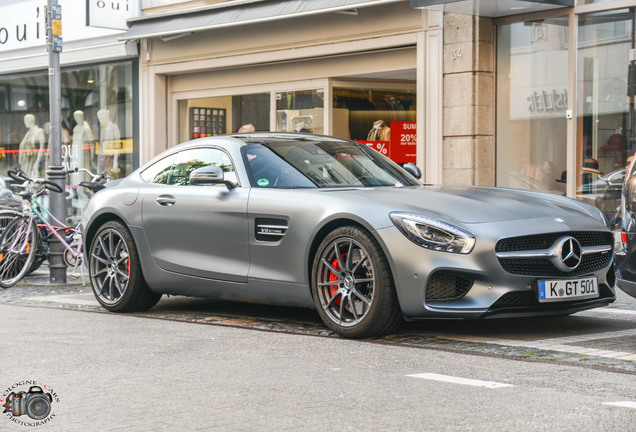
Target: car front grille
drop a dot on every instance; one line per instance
(544, 267)
(544, 241)
(446, 286)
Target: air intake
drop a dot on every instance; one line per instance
(270, 230)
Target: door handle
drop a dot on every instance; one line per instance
(166, 200)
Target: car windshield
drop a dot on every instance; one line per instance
(323, 164)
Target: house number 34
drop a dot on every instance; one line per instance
(456, 54)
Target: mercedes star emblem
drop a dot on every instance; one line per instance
(568, 253)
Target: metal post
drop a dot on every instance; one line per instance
(55, 171)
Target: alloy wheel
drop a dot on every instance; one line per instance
(345, 282)
(110, 266)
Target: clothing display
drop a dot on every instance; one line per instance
(379, 132)
(31, 147)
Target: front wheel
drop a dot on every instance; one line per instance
(115, 272)
(18, 246)
(352, 285)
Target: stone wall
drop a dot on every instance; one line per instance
(469, 100)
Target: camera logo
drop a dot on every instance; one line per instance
(34, 403)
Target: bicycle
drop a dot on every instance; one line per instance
(28, 234)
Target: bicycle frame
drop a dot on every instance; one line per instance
(73, 245)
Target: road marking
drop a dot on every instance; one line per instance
(624, 404)
(566, 344)
(458, 380)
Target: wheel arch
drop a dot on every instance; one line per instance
(333, 225)
(96, 224)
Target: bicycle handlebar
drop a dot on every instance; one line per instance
(52, 186)
(19, 175)
(94, 177)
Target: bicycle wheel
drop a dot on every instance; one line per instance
(18, 245)
(6, 217)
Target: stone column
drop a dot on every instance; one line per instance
(469, 100)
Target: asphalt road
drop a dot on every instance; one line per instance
(192, 364)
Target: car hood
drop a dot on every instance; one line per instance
(473, 204)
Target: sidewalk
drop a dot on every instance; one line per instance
(609, 330)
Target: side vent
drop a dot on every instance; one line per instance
(270, 230)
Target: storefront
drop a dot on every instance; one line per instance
(565, 85)
(568, 82)
(99, 88)
(335, 69)
(516, 93)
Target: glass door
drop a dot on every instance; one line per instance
(606, 86)
(532, 83)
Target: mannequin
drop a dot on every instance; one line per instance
(31, 147)
(109, 142)
(82, 138)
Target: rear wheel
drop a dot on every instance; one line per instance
(352, 285)
(18, 245)
(115, 272)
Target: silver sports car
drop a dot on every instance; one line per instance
(314, 221)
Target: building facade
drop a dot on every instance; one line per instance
(99, 91)
(514, 93)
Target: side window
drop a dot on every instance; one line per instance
(189, 160)
(159, 172)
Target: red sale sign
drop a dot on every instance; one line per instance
(403, 141)
(402, 146)
(380, 146)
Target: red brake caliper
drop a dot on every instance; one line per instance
(333, 277)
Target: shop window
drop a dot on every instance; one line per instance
(606, 84)
(382, 119)
(300, 111)
(203, 117)
(97, 124)
(532, 83)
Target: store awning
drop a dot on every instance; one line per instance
(491, 8)
(220, 16)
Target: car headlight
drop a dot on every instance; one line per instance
(433, 234)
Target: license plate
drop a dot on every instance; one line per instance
(565, 290)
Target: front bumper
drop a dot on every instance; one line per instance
(479, 284)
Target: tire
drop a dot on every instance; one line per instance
(6, 216)
(352, 285)
(15, 259)
(115, 271)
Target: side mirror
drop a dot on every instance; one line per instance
(413, 170)
(209, 175)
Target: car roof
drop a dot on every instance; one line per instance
(233, 142)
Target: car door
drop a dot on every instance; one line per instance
(197, 230)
